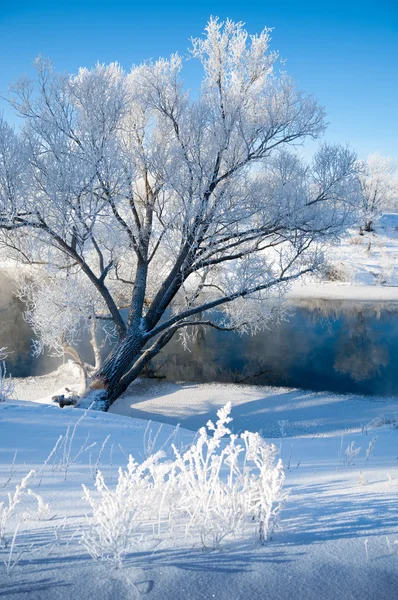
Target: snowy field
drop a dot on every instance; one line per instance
(339, 526)
(362, 267)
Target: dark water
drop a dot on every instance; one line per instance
(325, 345)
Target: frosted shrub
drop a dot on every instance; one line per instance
(118, 514)
(351, 452)
(42, 512)
(109, 535)
(213, 507)
(225, 487)
(222, 486)
(263, 479)
(65, 449)
(11, 519)
(370, 449)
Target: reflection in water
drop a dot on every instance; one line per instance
(325, 345)
(360, 352)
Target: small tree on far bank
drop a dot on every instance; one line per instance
(165, 207)
(379, 186)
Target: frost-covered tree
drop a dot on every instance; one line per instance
(379, 184)
(60, 310)
(172, 205)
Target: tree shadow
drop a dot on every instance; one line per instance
(27, 587)
(307, 413)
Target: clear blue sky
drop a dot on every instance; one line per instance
(344, 52)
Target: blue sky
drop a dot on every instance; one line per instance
(344, 52)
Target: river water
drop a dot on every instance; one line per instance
(334, 345)
(325, 345)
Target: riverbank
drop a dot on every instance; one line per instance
(257, 408)
(327, 290)
(361, 267)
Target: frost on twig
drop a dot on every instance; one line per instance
(7, 509)
(350, 453)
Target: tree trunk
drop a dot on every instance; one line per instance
(368, 226)
(109, 381)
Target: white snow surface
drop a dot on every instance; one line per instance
(362, 267)
(327, 290)
(339, 536)
(255, 408)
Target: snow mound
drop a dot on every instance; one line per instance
(42, 388)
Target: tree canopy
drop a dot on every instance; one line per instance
(125, 193)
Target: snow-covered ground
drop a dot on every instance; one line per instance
(256, 408)
(362, 267)
(343, 290)
(372, 258)
(339, 536)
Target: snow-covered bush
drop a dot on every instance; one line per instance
(335, 273)
(119, 513)
(216, 489)
(226, 487)
(6, 385)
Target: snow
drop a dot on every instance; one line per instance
(339, 536)
(42, 388)
(365, 266)
(256, 408)
(344, 291)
